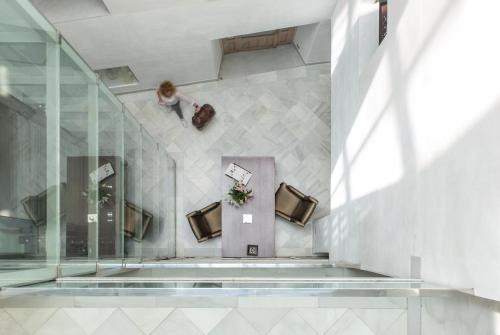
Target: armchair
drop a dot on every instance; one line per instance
(206, 223)
(293, 205)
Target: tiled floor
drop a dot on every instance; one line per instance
(253, 316)
(229, 314)
(252, 62)
(285, 114)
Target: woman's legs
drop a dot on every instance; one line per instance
(178, 111)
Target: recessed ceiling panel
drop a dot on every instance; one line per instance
(118, 77)
(71, 10)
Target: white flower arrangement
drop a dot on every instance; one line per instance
(238, 194)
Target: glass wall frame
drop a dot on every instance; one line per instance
(29, 51)
(78, 158)
(94, 187)
(111, 151)
(133, 155)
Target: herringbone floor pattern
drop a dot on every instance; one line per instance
(285, 114)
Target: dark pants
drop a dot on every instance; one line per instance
(178, 110)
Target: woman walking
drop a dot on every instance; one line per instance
(169, 96)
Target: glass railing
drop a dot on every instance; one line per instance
(81, 181)
(357, 306)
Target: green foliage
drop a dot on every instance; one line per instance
(103, 197)
(238, 195)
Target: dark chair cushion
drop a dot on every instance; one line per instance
(303, 212)
(213, 219)
(286, 200)
(35, 206)
(293, 205)
(137, 221)
(206, 223)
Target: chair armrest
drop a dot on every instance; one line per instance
(210, 207)
(296, 192)
(308, 213)
(283, 215)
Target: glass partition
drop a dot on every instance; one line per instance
(27, 81)
(78, 158)
(150, 198)
(82, 182)
(111, 189)
(133, 184)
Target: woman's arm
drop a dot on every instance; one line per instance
(160, 101)
(187, 99)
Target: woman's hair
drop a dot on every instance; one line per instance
(167, 88)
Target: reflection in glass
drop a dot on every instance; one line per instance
(79, 196)
(81, 181)
(23, 138)
(133, 185)
(111, 217)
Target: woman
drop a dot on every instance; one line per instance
(169, 96)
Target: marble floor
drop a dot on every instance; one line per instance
(252, 62)
(212, 316)
(285, 114)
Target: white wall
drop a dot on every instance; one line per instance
(218, 52)
(304, 38)
(415, 156)
(313, 42)
(460, 314)
(173, 39)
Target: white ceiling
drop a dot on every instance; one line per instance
(171, 39)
